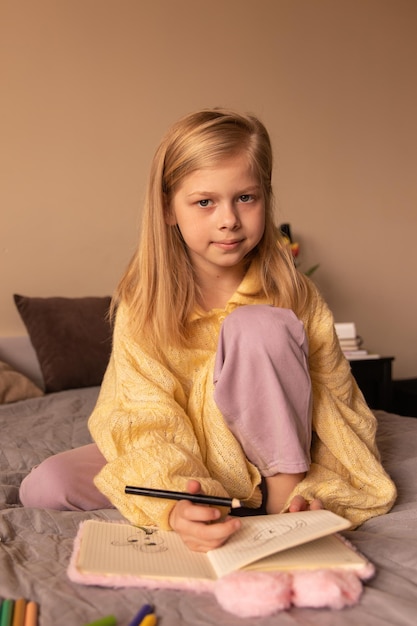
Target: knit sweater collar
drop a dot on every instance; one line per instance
(242, 295)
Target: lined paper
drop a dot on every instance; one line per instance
(261, 536)
(327, 552)
(120, 549)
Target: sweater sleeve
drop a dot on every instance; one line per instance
(346, 473)
(141, 426)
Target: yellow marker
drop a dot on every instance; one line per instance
(149, 620)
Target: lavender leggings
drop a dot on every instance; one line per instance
(262, 388)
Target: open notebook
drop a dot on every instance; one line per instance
(290, 541)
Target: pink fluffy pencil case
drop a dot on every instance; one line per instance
(243, 593)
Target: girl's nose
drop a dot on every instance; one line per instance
(228, 216)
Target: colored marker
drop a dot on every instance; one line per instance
(6, 613)
(197, 498)
(149, 620)
(19, 612)
(31, 614)
(144, 611)
(109, 620)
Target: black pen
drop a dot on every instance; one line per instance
(197, 498)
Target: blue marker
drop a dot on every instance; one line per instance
(147, 609)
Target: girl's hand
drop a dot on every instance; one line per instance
(194, 523)
(298, 503)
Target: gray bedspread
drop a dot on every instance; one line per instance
(36, 544)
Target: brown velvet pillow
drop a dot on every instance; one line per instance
(15, 386)
(71, 338)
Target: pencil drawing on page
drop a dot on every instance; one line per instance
(144, 539)
(261, 537)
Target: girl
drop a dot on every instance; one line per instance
(225, 371)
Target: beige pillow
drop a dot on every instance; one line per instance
(15, 386)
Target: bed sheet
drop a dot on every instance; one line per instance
(36, 544)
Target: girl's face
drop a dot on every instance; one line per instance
(220, 212)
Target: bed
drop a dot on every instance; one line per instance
(44, 416)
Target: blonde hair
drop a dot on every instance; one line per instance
(158, 286)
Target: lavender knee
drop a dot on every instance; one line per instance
(65, 482)
(263, 387)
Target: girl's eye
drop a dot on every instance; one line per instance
(204, 203)
(246, 198)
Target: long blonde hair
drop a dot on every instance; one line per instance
(158, 286)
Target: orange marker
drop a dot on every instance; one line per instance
(19, 612)
(31, 614)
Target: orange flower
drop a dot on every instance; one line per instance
(294, 247)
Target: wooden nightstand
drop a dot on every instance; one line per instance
(374, 377)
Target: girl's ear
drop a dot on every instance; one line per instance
(169, 213)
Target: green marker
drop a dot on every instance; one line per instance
(109, 620)
(6, 612)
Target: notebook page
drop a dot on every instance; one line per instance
(263, 535)
(109, 548)
(326, 552)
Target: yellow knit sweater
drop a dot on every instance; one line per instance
(158, 427)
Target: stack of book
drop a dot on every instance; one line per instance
(351, 342)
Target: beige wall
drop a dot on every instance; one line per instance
(89, 86)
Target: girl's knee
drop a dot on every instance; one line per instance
(46, 485)
(264, 324)
(66, 481)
